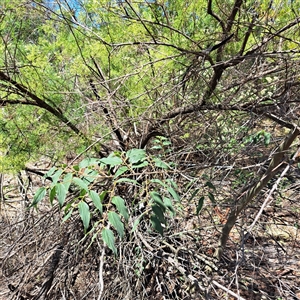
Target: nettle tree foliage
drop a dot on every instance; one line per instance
(157, 90)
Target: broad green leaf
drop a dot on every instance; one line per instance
(109, 239)
(173, 193)
(52, 194)
(210, 185)
(89, 161)
(141, 165)
(120, 204)
(136, 223)
(85, 215)
(111, 161)
(169, 205)
(38, 196)
(173, 183)
(50, 172)
(159, 182)
(211, 197)
(61, 193)
(160, 164)
(89, 176)
(156, 224)
(127, 180)
(102, 195)
(67, 180)
(120, 171)
(159, 213)
(136, 155)
(76, 168)
(158, 200)
(56, 176)
(115, 221)
(96, 200)
(81, 183)
(200, 205)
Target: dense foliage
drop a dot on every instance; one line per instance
(143, 107)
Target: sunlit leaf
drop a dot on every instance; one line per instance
(111, 161)
(96, 200)
(81, 183)
(38, 196)
(61, 193)
(109, 239)
(160, 164)
(85, 215)
(121, 171)
(67, 180)
(169, 205)
(173, 193)
(136, 155)
(120, 204)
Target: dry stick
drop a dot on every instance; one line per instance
(256, 187)
(227, 290)
(274, 188)
(101, 282)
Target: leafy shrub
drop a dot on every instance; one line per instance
(116, 192)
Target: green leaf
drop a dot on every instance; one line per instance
(211, 197)
(156, 224)
(96, 200)
(38, 196)
(67, 180)
(102, 195)
(89, 161)
(56, 176)
(159, 213)
(200, 205)
(173, 193)
(61, 193)
(136, 155)
(169, 205)
(120, 204)
(81, 183)
(155, 180)
(111, 161)
(50, 172)
(115, 221)
(210, 185)
(121, 171)
(160, 164)
(109, 239)
(141, 165)
(158, 200)
(89, 176)
(136, 223)
(85, 215)
(172, 183)
(52, 194)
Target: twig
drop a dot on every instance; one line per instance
(101, 282)
(227, 290)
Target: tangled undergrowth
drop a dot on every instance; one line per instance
(43, 258)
